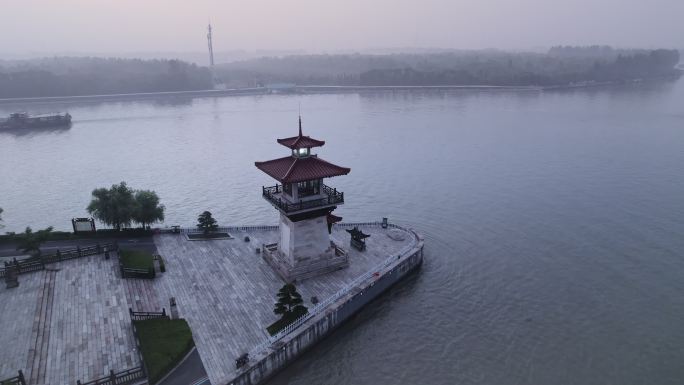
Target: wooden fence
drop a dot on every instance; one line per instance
(17, 380)
(145, 315)
(121, 378)
(38, 263)
(25, 266)
(128, 272)
(79, 252)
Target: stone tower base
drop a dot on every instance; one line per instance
(305, 249)
(311, 267)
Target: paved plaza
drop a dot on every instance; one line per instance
(67, 323)
(71, 322)
(226, 291)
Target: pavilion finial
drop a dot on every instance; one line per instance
(300, 125)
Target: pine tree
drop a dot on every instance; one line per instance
(206, 222)
(290, 303)
(282, 307)
(297, 307)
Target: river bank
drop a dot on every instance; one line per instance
(305, 90)
(313, 89)
(248, 91)
(136, 96)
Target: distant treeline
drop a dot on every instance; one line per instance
(73, 76)
(559, 66)
(69, 76)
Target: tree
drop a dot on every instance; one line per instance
(147, 210)
(1, 226)
(290, 303)
(298, 307)
(87, 76)
(114, 206)
(282, 307)
(206, 223)
(30, 241)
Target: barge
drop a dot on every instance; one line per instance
(22, 120)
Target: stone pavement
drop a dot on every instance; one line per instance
(226, 291)
(17, 312)
(71, 322)
(67, 323)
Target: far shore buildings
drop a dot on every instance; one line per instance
(306, 204)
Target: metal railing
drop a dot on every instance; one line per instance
(145, 315)
(17, 380)
(129, 272)
(194, 230)
(321, 306)
(38, 263)
(332, 197)
(121, 378)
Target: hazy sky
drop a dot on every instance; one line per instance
(328, 25)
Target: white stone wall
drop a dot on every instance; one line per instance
(284, 234)
(305, 240)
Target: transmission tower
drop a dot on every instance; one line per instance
(211, 47)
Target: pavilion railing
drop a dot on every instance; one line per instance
(331, 197)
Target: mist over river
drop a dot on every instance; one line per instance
(553, 220)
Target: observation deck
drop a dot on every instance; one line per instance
(327, 197)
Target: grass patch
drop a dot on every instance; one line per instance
(280, 324)
(163, 343)
(136, 259)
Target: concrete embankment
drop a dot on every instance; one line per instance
(244, 91)
(273, 358)
(308, 89)
(338, 89)
(137, 96)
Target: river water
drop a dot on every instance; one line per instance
(554, 220)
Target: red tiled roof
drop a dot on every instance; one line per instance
(292, 170)
(301, 142)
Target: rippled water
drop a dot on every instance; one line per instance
(554, 221)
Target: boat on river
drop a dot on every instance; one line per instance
(23, 120)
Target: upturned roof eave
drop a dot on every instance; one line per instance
(296, 142)
(288, 176)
